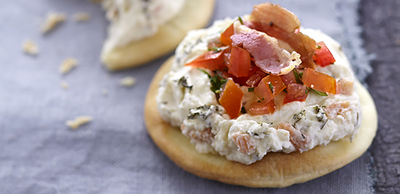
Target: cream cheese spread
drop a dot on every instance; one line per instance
(133, 20)
(185, 100)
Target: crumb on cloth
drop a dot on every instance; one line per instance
(80, 17)
(30, 47)
(52, 20)
(67, 65)
(127, 81)
(78, 121)
(64, 85)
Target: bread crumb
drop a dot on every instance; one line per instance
(30, 47)
(104, 91)
(78, 121)
(64, 85)
(52, 20)
(67, 65)
(80, 17)
(127, 81)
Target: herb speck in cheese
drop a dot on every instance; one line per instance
(184, 83)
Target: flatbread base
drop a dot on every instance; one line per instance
(275, 169)
(195, 14)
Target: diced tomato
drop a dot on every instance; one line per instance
(226, 35)
(240, 62)
(243, 81)
(231, 99)
(323, 56)
(262, 107)
(210, 60)
(295, 92)
(255, 78)
(288, 78)
(269, 87)
(319, 81)
(240, 80)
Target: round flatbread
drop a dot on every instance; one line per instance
(194, 14)
(275, 169)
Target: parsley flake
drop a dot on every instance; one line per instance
(297, 76)
(240, 20)
(216, 49)
(318, 92)
(271, 87)
(216, 81)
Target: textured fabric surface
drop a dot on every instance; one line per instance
(114, 153)
(382, 35)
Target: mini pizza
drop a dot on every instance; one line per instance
(141, 31)
(259, 102)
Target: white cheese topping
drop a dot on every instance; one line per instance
(185, 100)
(133, 20)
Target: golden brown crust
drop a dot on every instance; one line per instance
(195, 14)
(275, 169)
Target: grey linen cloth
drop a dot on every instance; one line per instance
(114, 153)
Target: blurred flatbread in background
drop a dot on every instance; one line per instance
(194, 14)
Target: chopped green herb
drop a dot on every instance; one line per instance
(184, 83)
(202, 70)
(240, 20)
(317, 109)
(216, 81)
(250, 89)
(302, 135)
(318, 92)
(297, 117)
(216, 49)
(271, 87)
(306, 91)
(320, 114)
(297, 76)
(202, 112)
(318, 47)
